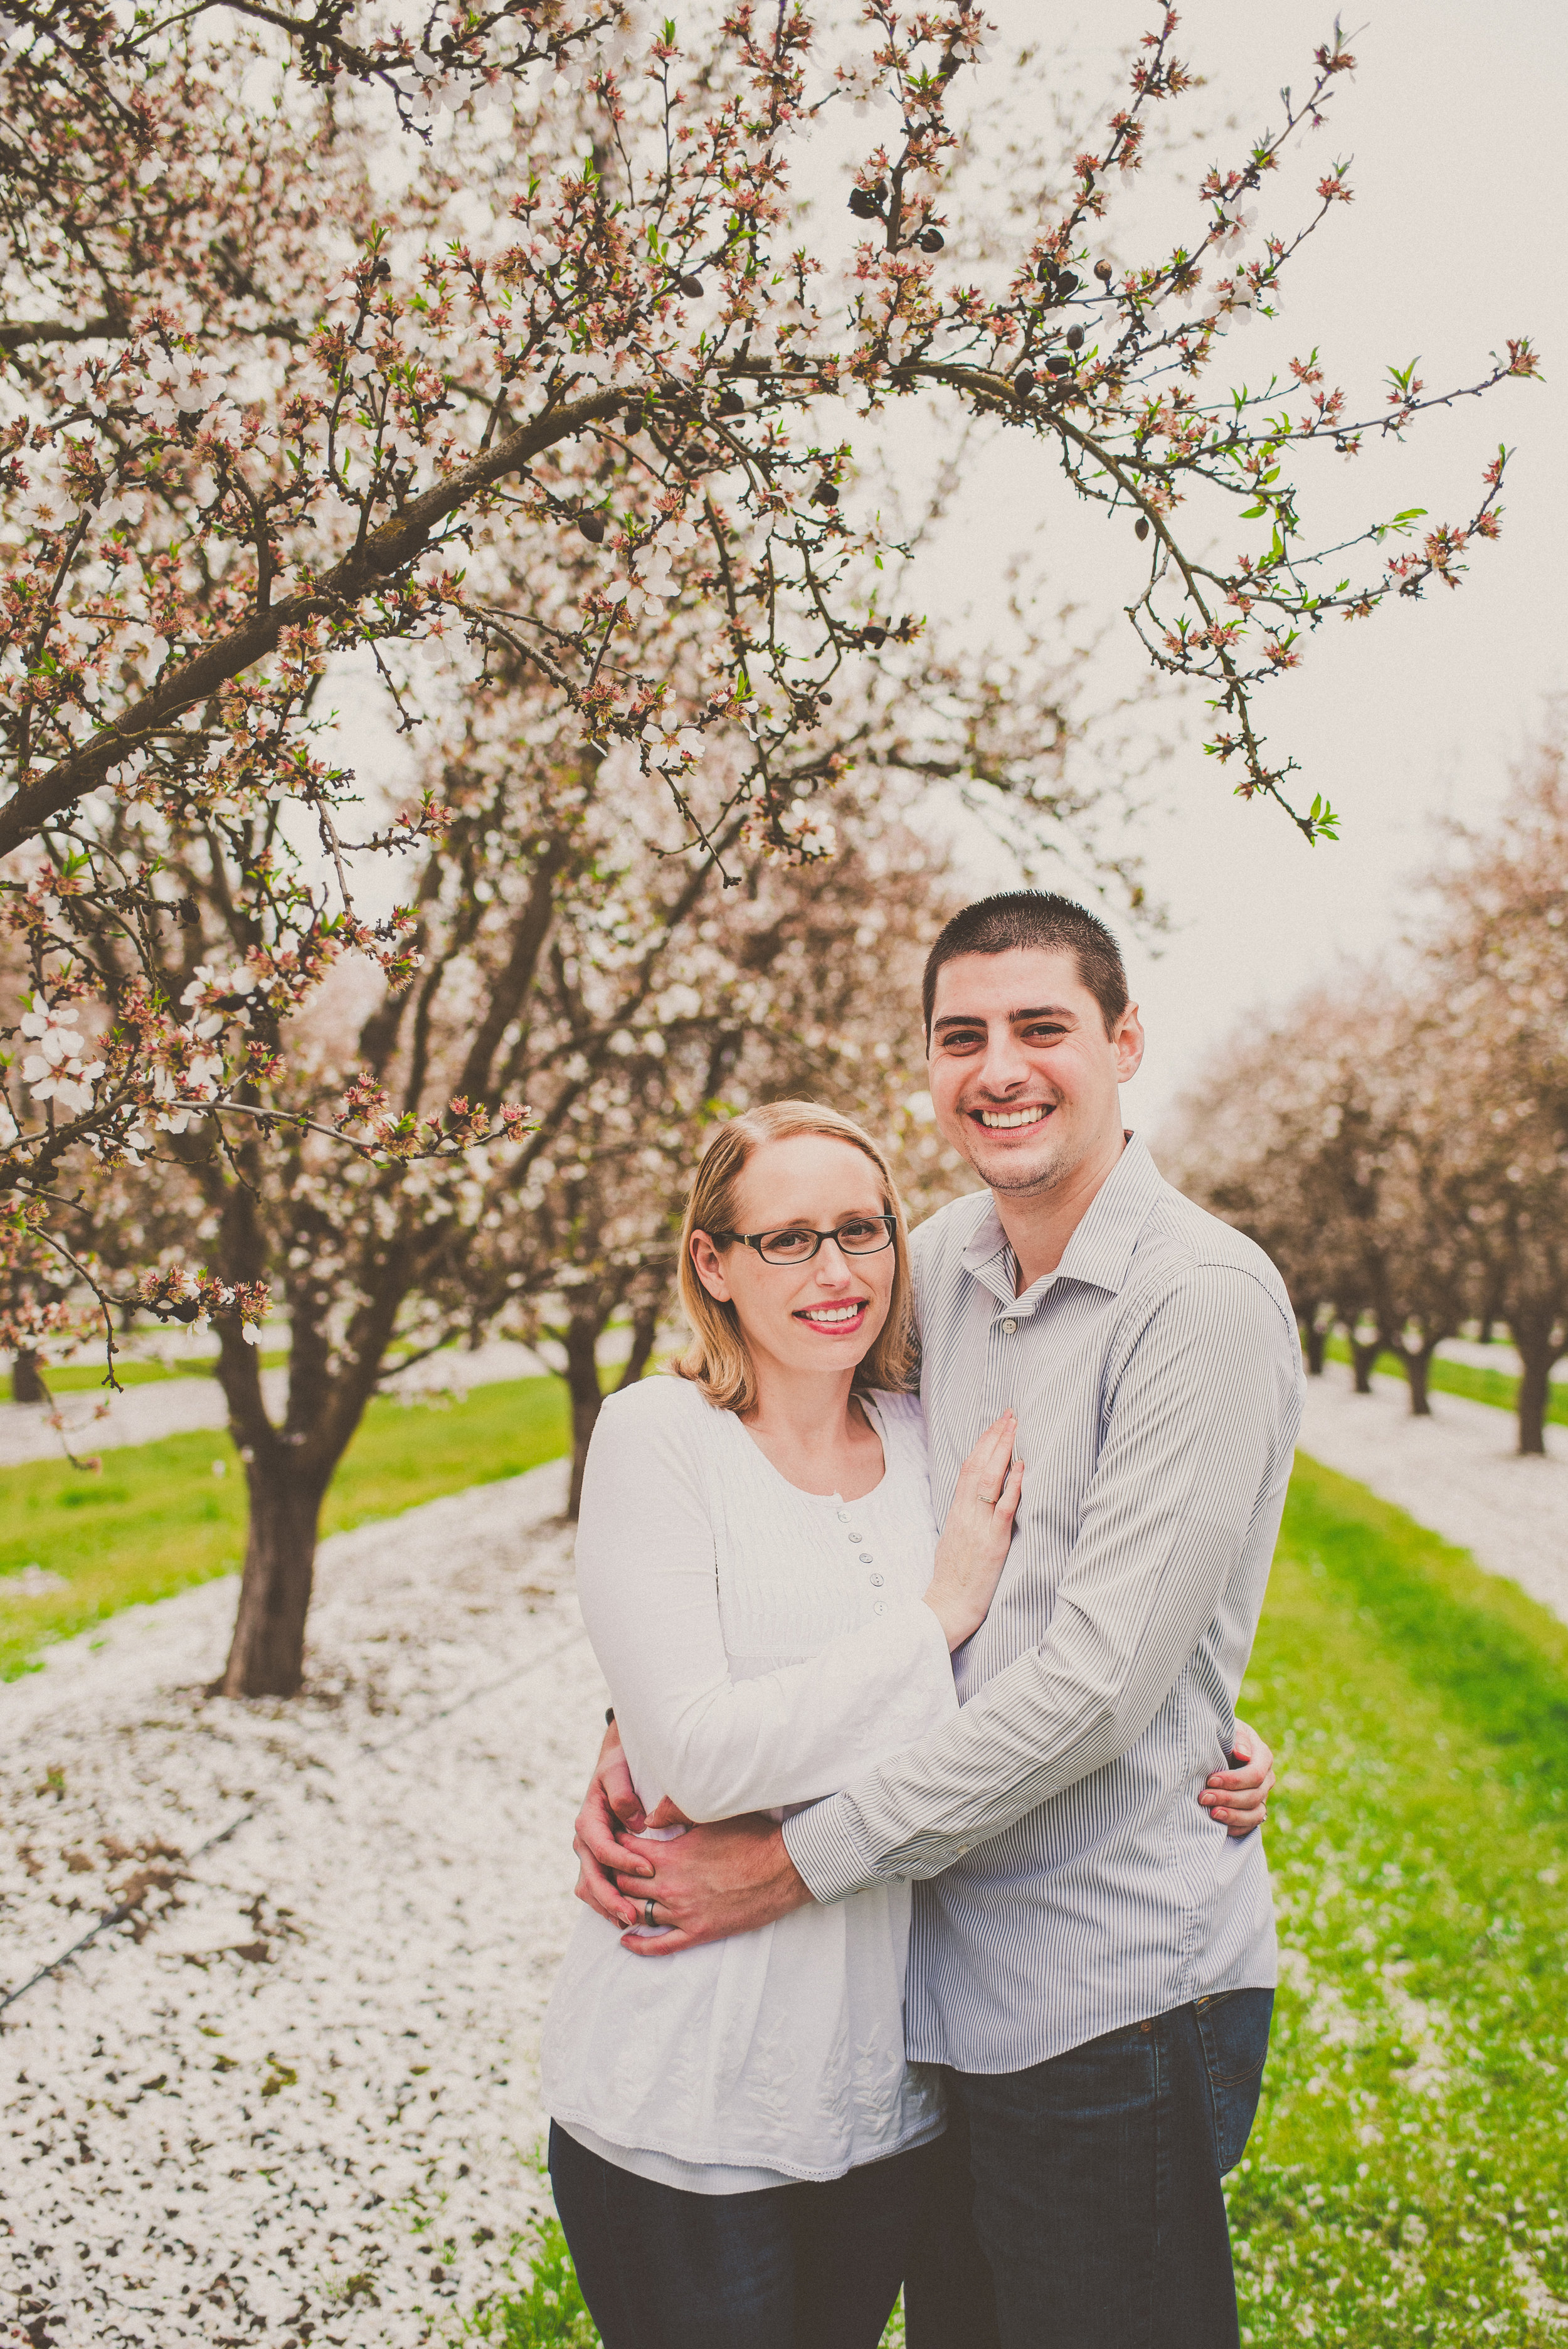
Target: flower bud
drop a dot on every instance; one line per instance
(1140, 527)
(591, 526)
(1075, 339)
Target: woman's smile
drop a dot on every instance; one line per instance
(840, 1319)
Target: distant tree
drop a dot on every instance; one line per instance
(1329, 1139)
(1498, 956)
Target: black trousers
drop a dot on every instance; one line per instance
(786, 2267)
(1078, 2203)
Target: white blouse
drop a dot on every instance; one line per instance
(763, 1646)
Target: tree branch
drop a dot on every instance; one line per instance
(385, 552)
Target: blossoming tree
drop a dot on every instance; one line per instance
(312, 325)
(571, 948)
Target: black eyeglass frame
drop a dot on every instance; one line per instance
(755, 1239)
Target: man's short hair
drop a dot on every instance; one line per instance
(1036, 919)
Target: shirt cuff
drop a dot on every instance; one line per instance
(827, 1844)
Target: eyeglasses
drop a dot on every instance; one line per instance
(860, 1235)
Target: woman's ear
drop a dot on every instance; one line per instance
(710, 1267)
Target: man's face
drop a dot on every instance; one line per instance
(1023, 1075)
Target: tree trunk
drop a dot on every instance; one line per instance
(1362, 1358)
(1534, 1394)
(266, 1656)
(26, 1386)
(644, 1330)
(581, 1344)
(1316, 1347)
(1417, 1371)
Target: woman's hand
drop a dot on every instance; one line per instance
(1239, 1798)
(611, 1810)
(973, 1546)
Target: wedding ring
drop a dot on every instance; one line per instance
(648, 1913)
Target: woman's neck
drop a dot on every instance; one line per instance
(801, 1405)
(814, 1431)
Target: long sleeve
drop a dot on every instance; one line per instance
(1196, 1451)
(648, 1585)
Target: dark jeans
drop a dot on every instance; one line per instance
(786, 2267)
(1079, 2201)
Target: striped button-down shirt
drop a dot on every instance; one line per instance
(1070, 1882)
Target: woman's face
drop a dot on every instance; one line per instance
(825, 1314)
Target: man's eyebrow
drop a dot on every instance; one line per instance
(977, 1019)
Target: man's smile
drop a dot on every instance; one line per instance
(1002, 1120)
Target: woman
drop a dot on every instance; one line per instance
(738, 2147)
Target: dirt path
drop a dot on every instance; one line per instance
(1457, 1473)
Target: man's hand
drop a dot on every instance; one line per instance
(1239, 1798)
(717, 1881)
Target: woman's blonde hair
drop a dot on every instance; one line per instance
(717, 1360)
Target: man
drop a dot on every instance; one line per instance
(1092, 1957)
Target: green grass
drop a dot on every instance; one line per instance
(157, 1518)
(1468, 1378)
(548, 2312)
(78, 1378)
(1405, 2187)
(1406, 2183)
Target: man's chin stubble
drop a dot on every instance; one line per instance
(1015, 1182)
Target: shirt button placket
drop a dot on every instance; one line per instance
(867, 1557)
(999, 1372)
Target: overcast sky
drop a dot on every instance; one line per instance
(1455, 239)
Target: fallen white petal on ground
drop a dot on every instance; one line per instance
(1457, 1472)
(302, 2106)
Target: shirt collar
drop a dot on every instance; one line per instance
(1100, 1250)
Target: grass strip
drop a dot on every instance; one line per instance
(159, 1517)
(80, 1378)
(1500, 1388)
(1404, 2187)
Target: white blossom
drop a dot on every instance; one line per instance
(671, 744)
